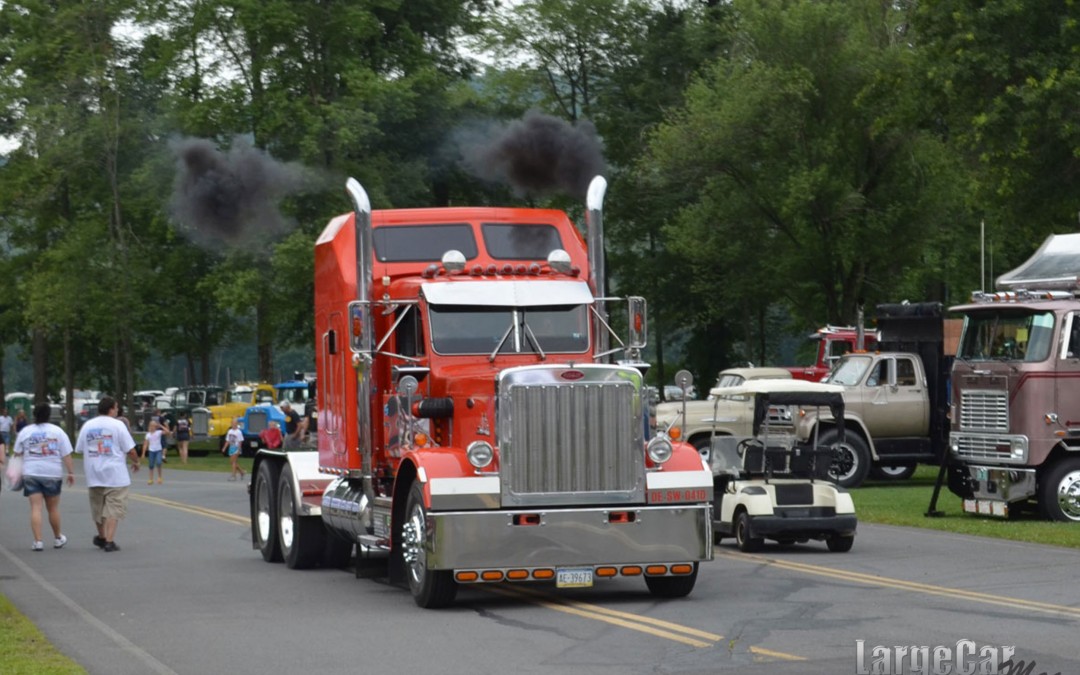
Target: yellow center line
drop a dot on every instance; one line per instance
(198, 510)
(623, 615)
(632, 625)
(912, 586)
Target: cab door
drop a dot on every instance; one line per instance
(895, 398)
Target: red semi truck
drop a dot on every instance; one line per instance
(472, 428)
(833, 342)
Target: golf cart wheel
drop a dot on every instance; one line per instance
(746, 543)
(840, 544)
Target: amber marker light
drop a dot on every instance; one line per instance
(543, 574)
(675, 433)
(631, 571)
(656, 569)
(606, 571)
(466, 577)
(492, 575)
(517, 575)
(420, 439)
(682, 569)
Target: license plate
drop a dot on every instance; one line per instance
(573, 577)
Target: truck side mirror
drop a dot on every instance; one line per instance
(639, 324)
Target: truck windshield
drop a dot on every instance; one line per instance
(848, 370)
(1007, 336)
(479, 330)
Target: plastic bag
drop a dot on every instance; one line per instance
(14, 472)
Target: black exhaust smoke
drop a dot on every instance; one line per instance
(538, 155)
(231, 197)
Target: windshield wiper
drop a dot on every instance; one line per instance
(536, 343)
(509, 329)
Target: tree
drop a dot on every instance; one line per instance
(804, 172)
(1006, 78)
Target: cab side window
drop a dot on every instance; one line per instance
(879, 375)
(905, 373)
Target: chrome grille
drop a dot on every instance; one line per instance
(256, 422)
(982, 410)
(991, 447)
(200, 422)
(571, 441)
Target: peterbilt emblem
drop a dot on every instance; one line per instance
(572, 375)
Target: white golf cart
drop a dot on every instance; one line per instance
(776, 484)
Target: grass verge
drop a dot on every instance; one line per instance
(25, 651)
(905, 503)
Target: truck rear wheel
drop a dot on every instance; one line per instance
(430, 588)
(302, 538)
(1059, 491)
(264, 511)
(851, 459)
(672, 587)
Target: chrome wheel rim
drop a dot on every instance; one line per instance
(1068, 494)
(414, 534)
(263, 516)
(286, 519)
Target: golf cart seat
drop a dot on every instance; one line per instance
(776, 459)
(753, 456)
(810, 462)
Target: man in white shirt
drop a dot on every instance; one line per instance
(5, 427)
(106, 444)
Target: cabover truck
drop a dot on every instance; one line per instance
(472, 427)
(1015, 437)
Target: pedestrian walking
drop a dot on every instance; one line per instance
(5, 427)
(46, 453)
(106, 444)
(152, 450)
(183, 437)
(20, 421)
(233, 439)
(292, 426)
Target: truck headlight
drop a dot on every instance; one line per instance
(480, 454)
(659, 449)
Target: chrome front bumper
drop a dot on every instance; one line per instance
(1001, 484)
(569, 537)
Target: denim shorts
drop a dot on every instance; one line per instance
(154, 459)
(50, 487)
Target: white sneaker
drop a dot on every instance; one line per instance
(60, 541)
(38, 546)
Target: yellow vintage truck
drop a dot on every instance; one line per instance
(209, 423)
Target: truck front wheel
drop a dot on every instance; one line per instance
(264, 511)
(430, 588)
(1059, 491)
(851, 459)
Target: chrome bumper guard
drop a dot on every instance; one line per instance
(551, 537)
(1001, 484)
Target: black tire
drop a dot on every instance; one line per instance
(672, 587)
(746, 543)
(430, 589)
(840, 544)
(1059, 491)
(302, 538)
(851, 459)
(893, 471)
(264, 511)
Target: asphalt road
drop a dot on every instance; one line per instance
(188, 594)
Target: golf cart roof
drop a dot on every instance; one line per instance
(804, 391)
